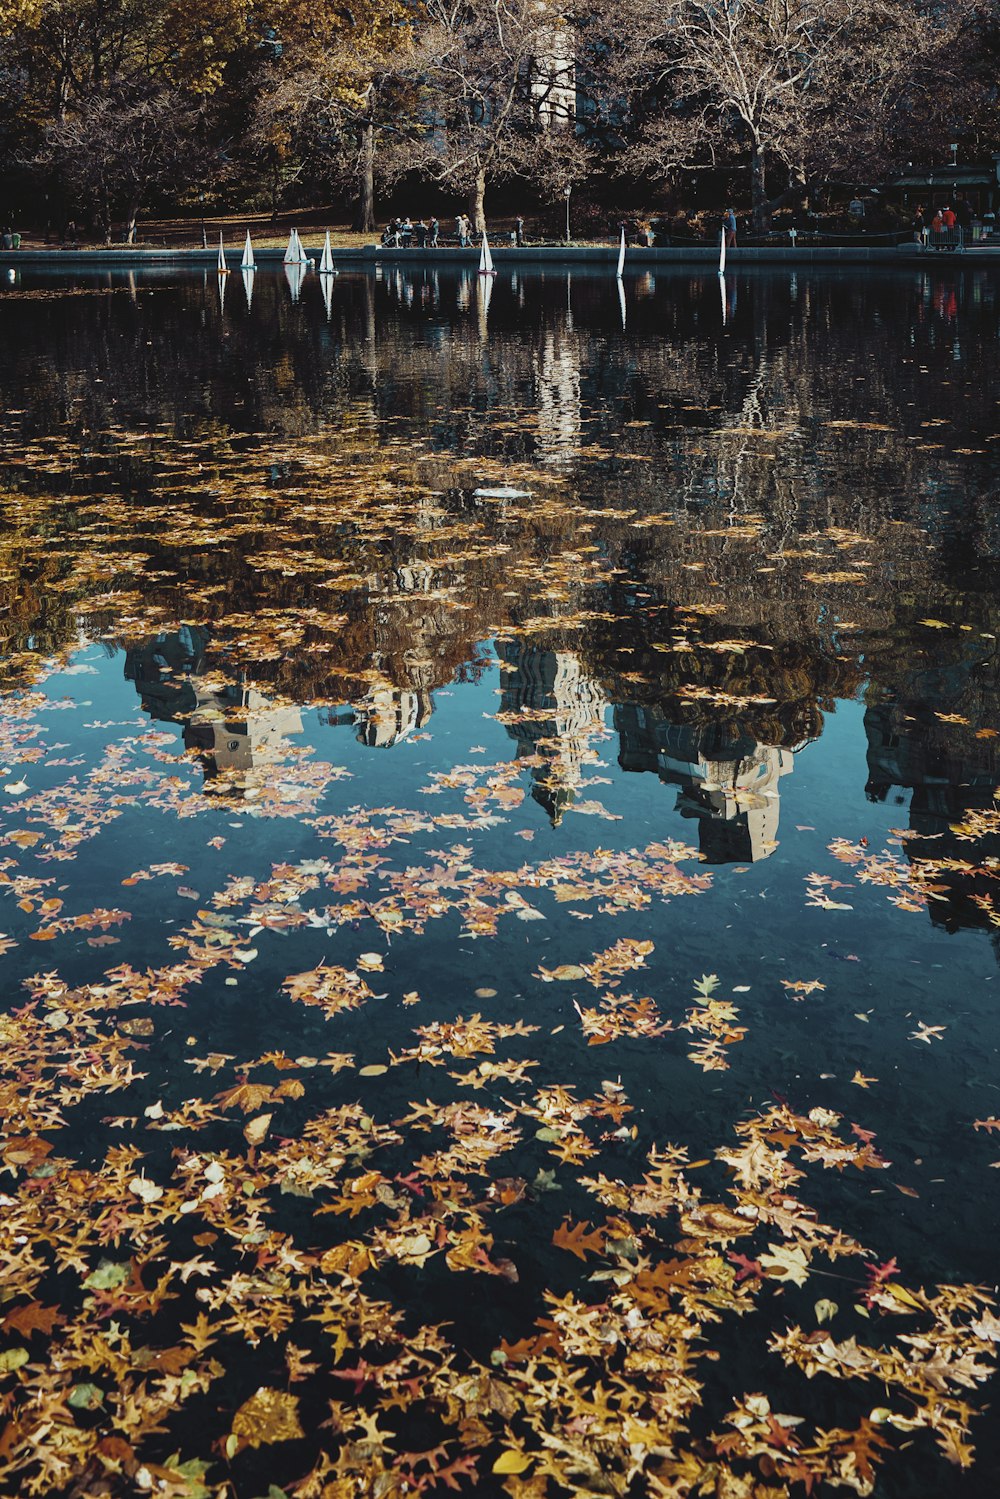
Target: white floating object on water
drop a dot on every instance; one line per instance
(621, 257)
(295, 253)
(326, 265)
(247, 263)
(223, 268)
(486, 266)
(502, 493)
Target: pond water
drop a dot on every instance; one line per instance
(500, 865)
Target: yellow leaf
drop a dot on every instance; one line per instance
(255, 1130)
(903, 1295)
(268, 1416)
(511, 1462)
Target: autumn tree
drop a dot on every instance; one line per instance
(113, 87)
(113, 148)
(333, 101)
(796, 85)
(497, 83)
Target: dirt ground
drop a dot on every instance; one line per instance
(185, 233)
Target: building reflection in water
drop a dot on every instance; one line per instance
(553, 711)
(726, 780)
(557, 396)
(387, 715)
(948, 776)
(236, 731)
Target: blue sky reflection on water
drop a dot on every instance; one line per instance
(577, 605)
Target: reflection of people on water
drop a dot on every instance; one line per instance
(235, 730)
(727, 781)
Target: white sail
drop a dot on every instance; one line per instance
(722, 253)
(486, 266)
(621, 299)
(291, 253)
(222, 266)
(326, 265)
(621, 257)
(247, 263)
(722, 289)
(248, 274)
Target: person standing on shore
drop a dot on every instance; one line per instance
(433, 229)
(519, 231)
(963, 216)
(729, 228)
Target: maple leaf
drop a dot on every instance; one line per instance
(577, 1240)
(246, 1096)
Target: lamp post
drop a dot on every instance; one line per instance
(567, 190)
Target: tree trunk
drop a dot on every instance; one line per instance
(477, 200)
(757, 196)
(364, 218)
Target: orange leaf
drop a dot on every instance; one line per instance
(32, 1318)
(577, 1240)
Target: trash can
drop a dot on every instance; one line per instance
(15, 241)
(7, 241)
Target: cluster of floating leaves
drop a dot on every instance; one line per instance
(166, 1318)
(229, 1270)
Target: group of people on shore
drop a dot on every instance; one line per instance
(942, 220)
(404, 234)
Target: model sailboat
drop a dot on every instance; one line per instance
(222, 266)
(621, 257)
(326, 265)
(247, 263)
(486, 266)
(722, 253)
(295, 254)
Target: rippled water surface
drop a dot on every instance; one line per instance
(500, 874)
